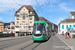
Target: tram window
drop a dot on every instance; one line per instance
(35, 24)
(39, 24)
(44, 26)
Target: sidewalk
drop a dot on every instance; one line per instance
(10, 38)
(69, 42)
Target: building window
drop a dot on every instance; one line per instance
(66, 26)
(30, 12)
(17, 21)
(73, 25)
(24, 27)
(24, 9)
(17, 26)
(70, 26)
(27, 16)
(62, 26)
(26, 24)
(23, 17)
(23, 21)
(30, 22)
(74, 16)
(17, 18)
(30, 16)
(5, 26)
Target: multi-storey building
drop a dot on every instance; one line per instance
(67, 24)
(72, 15)
(24, 19)
(53, 26)
(8, 27)
(1, 26)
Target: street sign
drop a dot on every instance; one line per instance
(68, 29)
(73, 27)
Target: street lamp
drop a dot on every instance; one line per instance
(11, 18)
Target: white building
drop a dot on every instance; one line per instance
(67, 23)
(9, 27)
(72, 15)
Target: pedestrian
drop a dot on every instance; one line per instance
(11, 34)
(57, 32)
(65, 35)
(68, 35)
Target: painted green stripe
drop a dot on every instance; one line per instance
(38, 38)
(39, 22)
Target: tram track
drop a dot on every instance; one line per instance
(32, 46)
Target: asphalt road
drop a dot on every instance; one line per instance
(54, 43)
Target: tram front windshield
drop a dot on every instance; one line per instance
(37, 29)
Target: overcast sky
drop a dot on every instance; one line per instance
(52, 10)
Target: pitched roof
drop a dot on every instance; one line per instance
(5, 24)
(28, 7)
(13, 23)
(68, 20)
(1, 22)
(73, 13)
(42, 19)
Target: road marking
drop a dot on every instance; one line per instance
(66, 44)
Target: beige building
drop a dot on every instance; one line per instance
(24, 19)
(1, 26)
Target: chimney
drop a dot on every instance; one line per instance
(61, 20)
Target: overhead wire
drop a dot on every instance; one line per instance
(39, 7)
(35, 1)
(17, 3)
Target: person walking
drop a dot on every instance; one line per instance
(11, 34)
(68, 35)
(65, 35)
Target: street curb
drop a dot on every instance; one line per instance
(66, 44)
(13, 38)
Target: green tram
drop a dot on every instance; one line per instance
(41, 31)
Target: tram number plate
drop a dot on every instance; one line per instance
(37, 32)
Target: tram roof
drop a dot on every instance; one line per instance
(39, 21)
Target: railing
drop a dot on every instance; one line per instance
(6, 35)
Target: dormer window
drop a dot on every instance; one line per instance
(24, 9)
(74, 14)
(30, 16)
(30, 12)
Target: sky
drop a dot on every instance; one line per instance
(52, 10)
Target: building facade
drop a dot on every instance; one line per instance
(1, 26)
(24, 19)
(9, 27)
(72, 15)
(64, 25)
(53, 26)
(67, 24)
